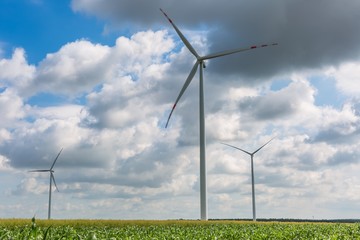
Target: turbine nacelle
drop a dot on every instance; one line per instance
(250, 153)
(41, 170)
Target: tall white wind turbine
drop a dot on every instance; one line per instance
(52, 178)
(252, 172)
(200, 62)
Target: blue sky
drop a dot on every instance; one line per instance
(99, 79)
(42, 28)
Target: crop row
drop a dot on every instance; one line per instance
(176, 230)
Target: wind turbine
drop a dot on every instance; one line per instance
(200, 62)
(252, 172)
(52, 178)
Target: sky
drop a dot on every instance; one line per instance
(99, 78)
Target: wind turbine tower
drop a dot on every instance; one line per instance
(252, 173)
(200, 63)
(52, 179)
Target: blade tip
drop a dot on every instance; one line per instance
(167, 122)
(166, 16)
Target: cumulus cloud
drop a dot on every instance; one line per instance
(297, 97)
(115, 131)
(77, 67)
(16, 71)
(116, 149)
(347, 77)
(140, 66)
(4, 163)
(30, 185)
(12, 108)
(340, 127)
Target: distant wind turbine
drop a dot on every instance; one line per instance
(200, 62)
(252, 173)
(52, 178)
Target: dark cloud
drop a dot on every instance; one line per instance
(280, 104)
(343, 131)
(36, 145)
(32, 153)
(311, 34)
(308, 161)
(157, 165)
(344, 157)
(262, 109)
(338, 134)
(275, 179)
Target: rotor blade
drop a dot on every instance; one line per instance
(237, 148)
(56, 159)
(53, 178)
(186, 84)
(228, 52)
(185, 41)
(263, 145)
(42, 170)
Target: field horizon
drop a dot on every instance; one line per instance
(161, 221)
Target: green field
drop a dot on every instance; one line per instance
(173, 229)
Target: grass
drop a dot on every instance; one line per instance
(173, 229)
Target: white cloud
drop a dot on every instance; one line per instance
(16, 71)
(5, 135)
(4, 163)
(12, 109)
(347, 77)
(77, 67)
(31, 185)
